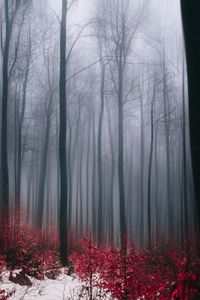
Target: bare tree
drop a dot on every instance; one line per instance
(119, 33)
(62, 140)
(99, 154)
(20, 121)
(11, 9)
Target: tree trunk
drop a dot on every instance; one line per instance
(149, 228)
(122, 208)
(185, 201)
(142, 158)
(157, 218)
(70, 172)
(62, 139)
(87, 176)
(43, 168)
(81, 183)
(191, 27)
(94, 209)
(19, 136)
(99, 153)
(4, 146)
(111, 210)
(168, 163)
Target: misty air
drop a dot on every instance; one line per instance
(99, 149)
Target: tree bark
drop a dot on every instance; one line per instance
(166, 113)
(99, 154)
(62, 139)
(111, 210)
(149, 227)
(4, 146)
(123, 225)
(19, 136)
(185, 189)
(142, 162)
(191, 26)
(43, 166)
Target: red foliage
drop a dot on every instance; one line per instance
(3, 295)
(162, 273)
(28, 250)
(2, 262)
(166, 272)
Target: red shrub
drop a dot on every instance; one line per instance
(28, 250)
(2, 262)
(162, 273)
(4, 295)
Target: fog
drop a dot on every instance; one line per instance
(127, 123)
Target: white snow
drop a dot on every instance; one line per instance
(63, 288)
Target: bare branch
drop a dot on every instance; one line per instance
(51, 8)
(17, 46)
(83, 69)
(76, 40)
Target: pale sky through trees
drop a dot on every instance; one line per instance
(149, 80)
(167, 13)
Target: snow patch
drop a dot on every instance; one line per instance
(64, 287)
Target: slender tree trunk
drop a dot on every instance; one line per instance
(122, 208)
(185, 201)
(4, 142)
(157, 219)
(58, 167)
(149, 227)
(70, 169)
(16, 141)
(62, 140)
(43, 170)
(19, 142)
(99, 149)
(94, 210)
(111, 210)
(29, 195)
(142, 160)
(168, 163)
(87, 176)
(48, 201)
(81, 184)
(130, 225)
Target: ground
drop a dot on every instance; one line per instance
(64, 287)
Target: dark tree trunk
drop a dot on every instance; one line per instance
(81, 183)
(94, 210)
(111, 191)
(87, 176)
(29, 183)
(122, 208)
(43, 167)
(19, 136)
(149, 230)
(99, 152)
(142, 161)
(70, 172)
(62, 139)
(185, 201)
(166, 119)
(4, 146)
(157, 219)
(191, 27)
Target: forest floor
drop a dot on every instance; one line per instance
(64, 287)
(30, 268)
